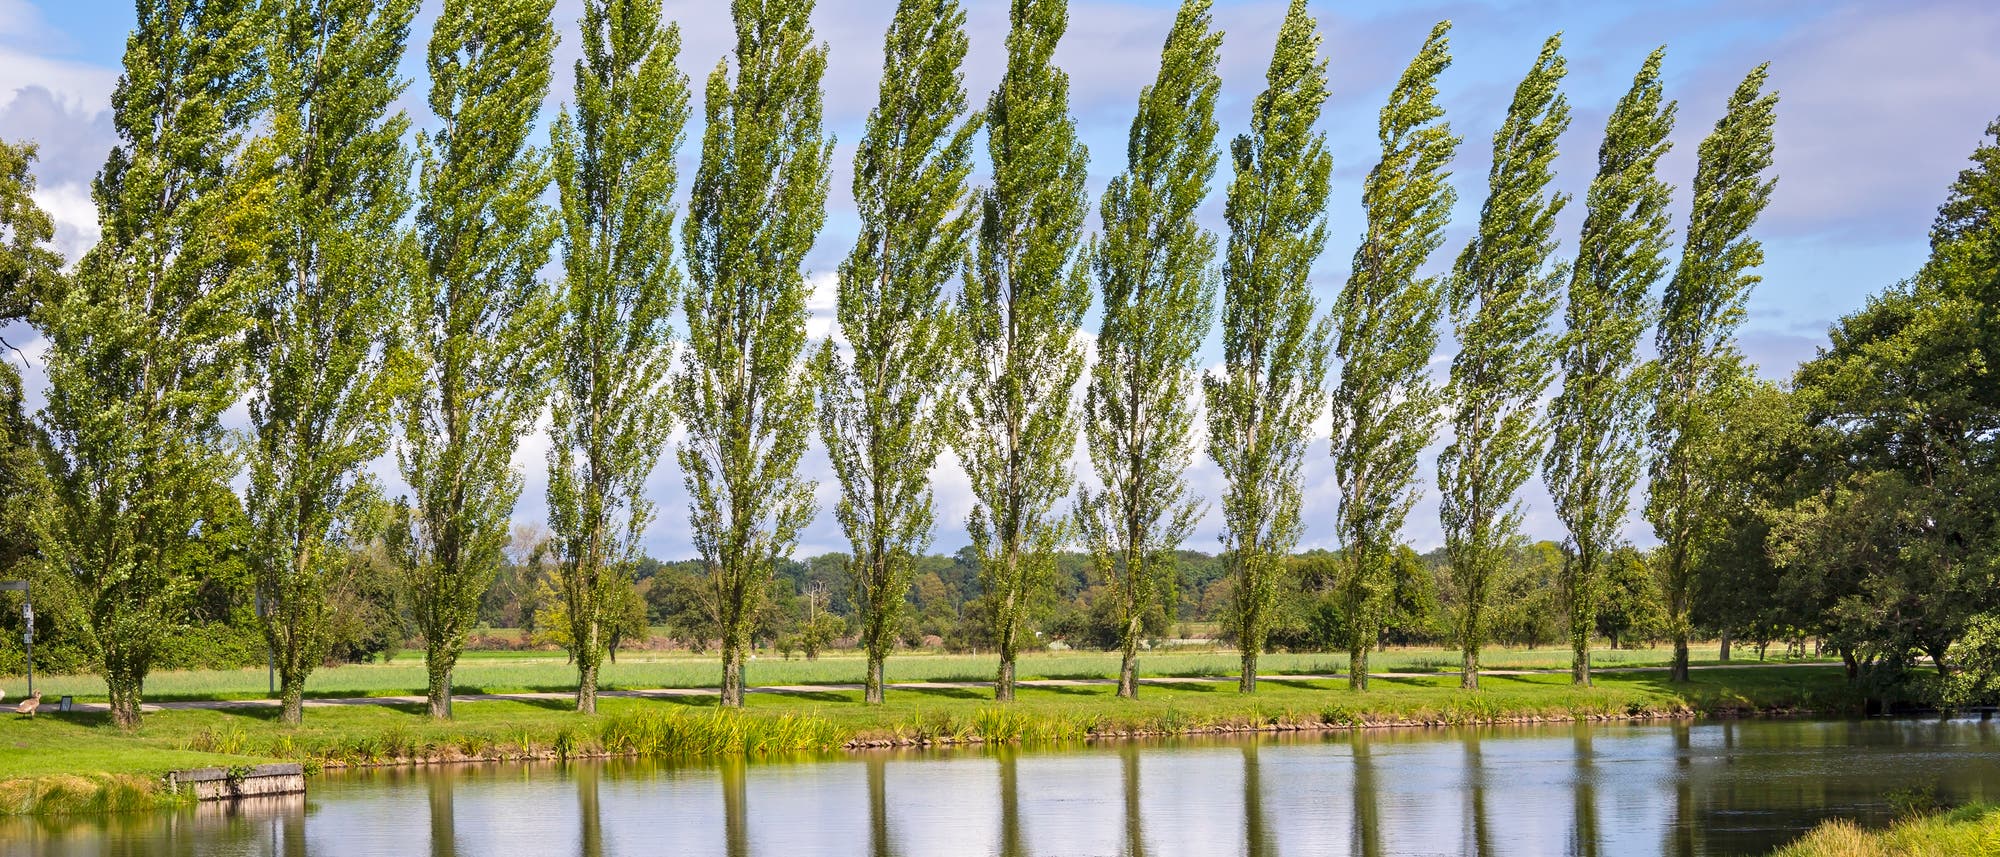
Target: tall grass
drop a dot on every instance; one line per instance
(1968, 830)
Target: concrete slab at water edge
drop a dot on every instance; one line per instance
(231, 783)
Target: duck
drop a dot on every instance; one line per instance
(29, 705)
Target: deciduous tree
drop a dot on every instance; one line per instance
(757, 202)
(1261, 405)
(1024, 298)
(1154, 264)
(476, 336)
(1597, 421)
(318, 390)
(1502, 292)
(1385, 408)
(1698, 359)
(145, 342)
(884, 414)
(609, 414)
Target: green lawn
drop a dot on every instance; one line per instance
(514, 672)
(77, 743)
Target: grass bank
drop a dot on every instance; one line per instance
(827, 721)
(1963, 831)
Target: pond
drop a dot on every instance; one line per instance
(1720, 788)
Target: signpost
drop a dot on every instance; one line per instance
(27, 623)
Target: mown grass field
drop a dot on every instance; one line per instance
(824, 721)
(537, 671)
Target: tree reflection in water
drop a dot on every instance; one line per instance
(1367, 808)
(879, 842)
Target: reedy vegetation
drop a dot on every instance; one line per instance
(1501, 293)
(1154, 264)
(476, 337)
(1699, 367)
(757, 203)
(1024, 297)
(609, 416)
(885, 417)
(1262, 404)
(319, 393)
(1597, 421)
(1385, 407)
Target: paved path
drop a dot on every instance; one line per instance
(807, 689)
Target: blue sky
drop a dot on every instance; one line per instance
(1881, 103)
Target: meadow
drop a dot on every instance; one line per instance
(544, 671)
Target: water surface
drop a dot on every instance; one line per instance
(1730, 788)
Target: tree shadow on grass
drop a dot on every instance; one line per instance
(948, 692)
(814, 695)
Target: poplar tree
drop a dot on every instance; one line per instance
(1262, 404)
(145, 341)
(26, 262)
(1597, 421)
(885, 417)
(1385, 409)
(476, 338)
(615, 172)
(1502, 291)
(1023, 301)
(318, 390)
(1154, 264)
(757, 202)
(1698, 361)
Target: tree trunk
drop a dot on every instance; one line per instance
(1003, 684)
(438, 665)
(586, 685)
(1248, 682)
(292, 690)
(589, 659)
(872, 686)
(1468, 678)
(732, 674)
(1357, 667)
(1725, 647)
(1128, 667)
(1679, 671)
(1579, 658)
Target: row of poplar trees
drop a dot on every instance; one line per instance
(261, 240)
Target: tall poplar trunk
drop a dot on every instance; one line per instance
(1128, 665)
(872, 686)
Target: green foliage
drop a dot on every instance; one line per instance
(1598, 418)
(474, 343)
(1262, 404)
(886, 415)
(26, 262)
(1698, 362)
(757, 203)
(1501, 294)
(1154, 265)
(1385, 408)
(609, 417)
(145, 341)
(1024, 298)
(318, 390)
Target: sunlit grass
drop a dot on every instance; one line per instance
(516, 672)
(1964, 831)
